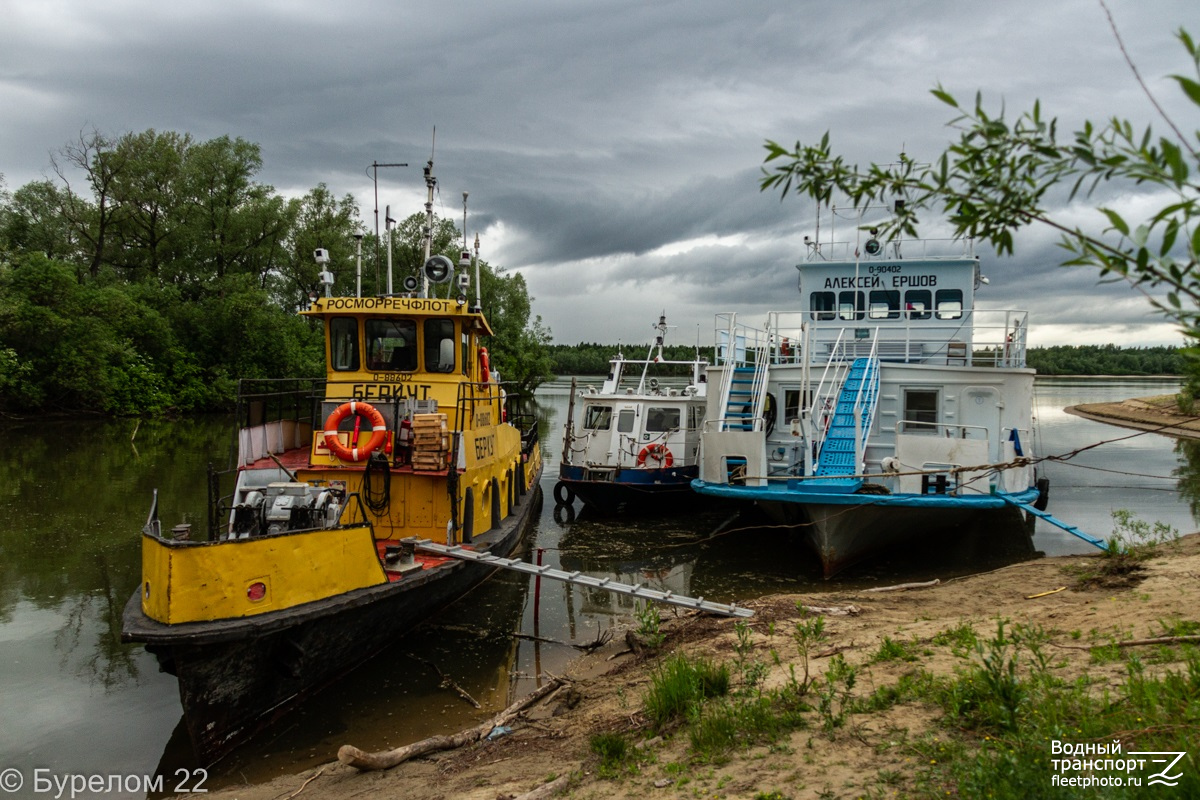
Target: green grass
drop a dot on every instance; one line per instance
(891, 650)
(1133, 542)
(616, 755)
(680, 684)
(961, 640)
(1011, 706)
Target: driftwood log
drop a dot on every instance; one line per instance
(834, 611)
(901, 587)
(546, 790)
(386, 759)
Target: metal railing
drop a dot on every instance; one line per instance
(980, 338)
(892, 249)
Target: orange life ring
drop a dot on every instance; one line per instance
(484, 369)
(658, 452)
(355, 453)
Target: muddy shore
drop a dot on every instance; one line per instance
(607, 687)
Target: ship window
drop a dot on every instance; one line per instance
(662, 419)
(949, 304)
(597, 418)
(794, 402)
(822, 305)
(625, 421)
(392, 344)
(916, 303)
(695, 417)
(850, 305)
(885, 304)
(439, 345)
(920, 410)
(465, 348)
(343, 343)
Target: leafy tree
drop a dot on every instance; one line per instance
(148, 190)
(156, 278)
(156, 270)
(78, 346)
(30, 222)
(234, 225)
(996, 178)
(319, 220)
(519, 348)
(91, 220)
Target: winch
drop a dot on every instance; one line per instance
(285, 506)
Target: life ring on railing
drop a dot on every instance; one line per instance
(354, 452)
(658, 452)
(484, 367)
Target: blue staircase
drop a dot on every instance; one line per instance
(739, 408)
(837, 461)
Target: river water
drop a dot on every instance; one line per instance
(75, 701)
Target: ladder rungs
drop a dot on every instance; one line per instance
(576, 577)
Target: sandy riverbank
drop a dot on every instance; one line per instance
(1159, 414)
(553, 740)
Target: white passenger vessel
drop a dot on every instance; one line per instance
(888, 407)
(636, 438)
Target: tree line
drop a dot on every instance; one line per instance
(150, 271)
(1107, 359)
(591, 358)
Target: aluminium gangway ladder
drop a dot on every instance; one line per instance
(577, 578)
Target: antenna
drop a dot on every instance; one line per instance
(358, 237)
(375, 165)
(388, 222)
(478, 304)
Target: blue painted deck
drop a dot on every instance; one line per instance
(780, 492)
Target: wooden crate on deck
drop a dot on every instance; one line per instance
(431, 441)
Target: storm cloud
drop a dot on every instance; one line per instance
(611, 150)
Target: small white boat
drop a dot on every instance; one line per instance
(888, 407)
(635, 439)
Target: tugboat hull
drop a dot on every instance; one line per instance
(237, 676)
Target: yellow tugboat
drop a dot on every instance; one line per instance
(311, 562)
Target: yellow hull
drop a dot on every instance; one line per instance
(186, 581)
(201, 582)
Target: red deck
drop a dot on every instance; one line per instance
(426, 561)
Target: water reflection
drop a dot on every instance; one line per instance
(396, 697)
(76, 494)
(1188, 473)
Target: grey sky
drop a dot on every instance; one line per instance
(611, 149)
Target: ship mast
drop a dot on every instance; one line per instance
(430, 184)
